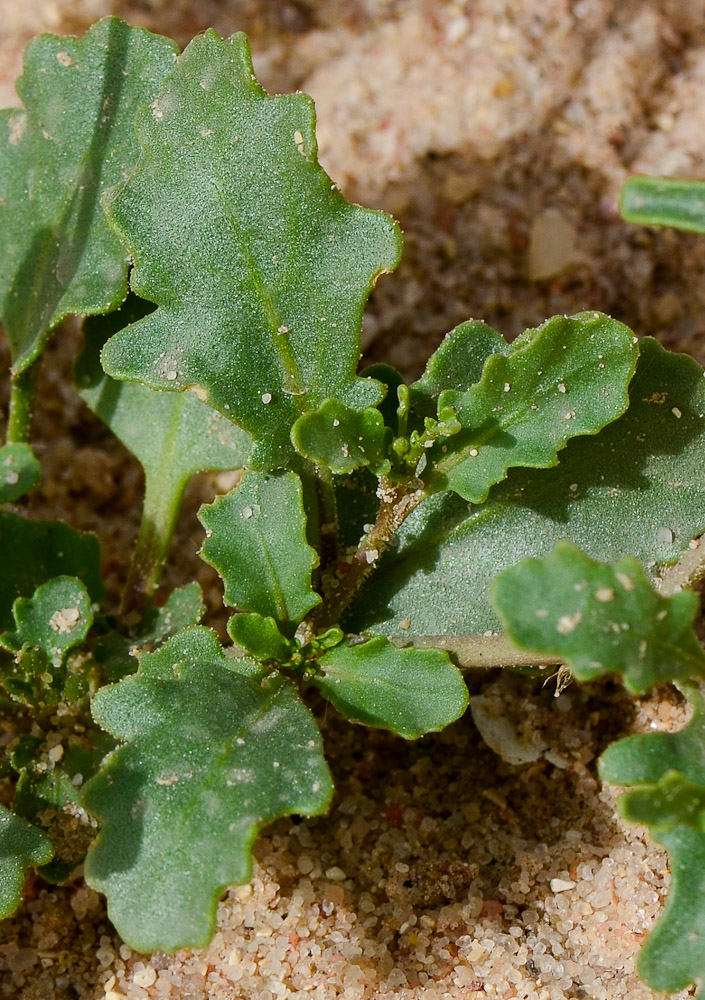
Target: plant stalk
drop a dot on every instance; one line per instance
(480, 651)
(23, 390)
(686, 573)
(152, 545)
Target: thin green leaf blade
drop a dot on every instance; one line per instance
(260, 637)
(259, 266)
(37, 551)
(636, 488)
(409, 691)
(19, 471)
(73, 141)
(567, 378)
(662, 201)
(602, 618)
(343, 439)
(215, 749)
(21, 847)
(256, 540)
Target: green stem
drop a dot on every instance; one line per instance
(485, 651)
(23, 389)
(159, 513)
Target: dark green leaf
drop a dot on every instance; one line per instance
(343, 439)
(116, 652)
(637, 489)
(661, 201)
(260, 637)
(567, 378)
(215, 749)
(19, 471)
(37, 551)
(21, 847)
(410, 691)
(601, 618)
(74, 140)
(670, 768)
(258, 264)
(256, 539)
(458, 362)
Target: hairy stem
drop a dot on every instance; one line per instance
(689, 570)
(397, 500)
(23, 389)
(151, 547)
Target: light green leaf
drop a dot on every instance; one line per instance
(37, 551)
(215, 749)
(256, 540)
(636, 488)
(669, 770)
(343, 439)
(409, 691)
(260, 637)
(459, 360)
(602, 618)
(259, 266)
(74, 140)
(116, 651)
(56, 619)
(19, 471)
(661, 201)
(173, 435)
(21, 847)
(567, 378)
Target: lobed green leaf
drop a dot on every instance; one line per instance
(19, 471)
(343, 439)
(256, 540)
(459, 360)
(21, 847)
(409, 691)
(636, 488)
(669, 772)
(56, 619)
(567, 378)
(215, 748)
(601, 618)
(258, 265)
(74, 139)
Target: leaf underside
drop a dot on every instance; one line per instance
(636, 488)
(668, 772)
(258, 265)
(73, 141)
(214, 750)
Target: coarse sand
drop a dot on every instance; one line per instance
(498, 132)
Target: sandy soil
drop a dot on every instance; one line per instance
(495, 131)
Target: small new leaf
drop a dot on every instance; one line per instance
(74, 140)
(215, 748)
(19, 471)
(669, 770)
(256, 540)
(343, 439)
(56, 619)
(661, 201)
(602, 618)
(260, 637)
(458, 362)
(567, 378)
(409, 691)
(258, 265)
(21, 847)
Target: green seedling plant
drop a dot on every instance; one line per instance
(520, 504)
